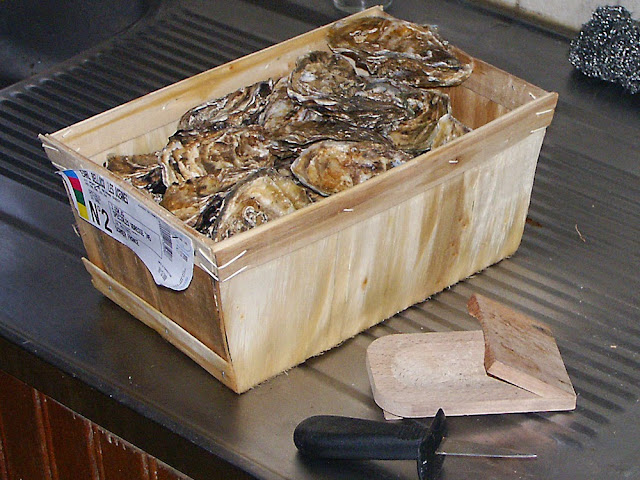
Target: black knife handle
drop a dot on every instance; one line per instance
(330, 436)
(429, 462)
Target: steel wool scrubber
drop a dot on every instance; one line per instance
(608, 47)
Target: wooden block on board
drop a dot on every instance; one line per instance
(520, 350)
(413, 375)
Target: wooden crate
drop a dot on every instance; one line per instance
(266, 300)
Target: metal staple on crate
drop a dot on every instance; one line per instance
(211, 262)
(45, 145)
(217, 268)
(229, 263)
(232, 260)
(240, 270)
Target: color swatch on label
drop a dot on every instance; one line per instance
(76, 188)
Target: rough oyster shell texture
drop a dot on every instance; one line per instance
(190, 199)
(268, 149)
(395, 48)
(199, 153)
(142, 171)
(352, 107)
(240, 107)
(263, 196)
(330, 167)
(448, 128)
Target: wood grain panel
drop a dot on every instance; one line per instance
(41, 439)
(118, 460)
(4, 474)
(22, 431)
(195, 310)
(69, 442)
(162, 471)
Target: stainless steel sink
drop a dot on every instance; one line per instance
(36, 35)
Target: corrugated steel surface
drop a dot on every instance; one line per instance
(577, 268)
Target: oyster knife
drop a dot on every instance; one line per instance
(329, 436)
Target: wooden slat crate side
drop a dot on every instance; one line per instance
(359, 203)
(439, 237)
(279, 313)
(194, 309)
(117, 260)
(316, 296)
(501, 87)
(219, 367)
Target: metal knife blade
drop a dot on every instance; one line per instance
(461, 448)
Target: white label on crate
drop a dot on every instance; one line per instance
(167, 252)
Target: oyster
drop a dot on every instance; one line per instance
(241, 107)
(330, 166)
(281, 109)
(329, 84)
(301, 134)
(323, 79)
(270, 148)
(142, 171)
(263, 196)
(189, 201)
(414, 116)
(216, 153)
(394, 48)
(356, 108)
(447, 129)
(423, 110)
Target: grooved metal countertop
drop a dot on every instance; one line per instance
(576, 269)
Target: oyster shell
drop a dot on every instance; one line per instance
(281, 109)
(261, 197)
(330, 166)
(414, 116)
(240, 107)
(423, 110)
(191, 199)
(142, 171)
(394, 48)
(230, 165)
(217, 153)
(323, 79)
(329, 84)
(355, 108)
(301, 134)
(447, 129)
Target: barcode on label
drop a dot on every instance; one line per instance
(167, 244)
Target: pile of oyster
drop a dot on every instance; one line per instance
(339, 118)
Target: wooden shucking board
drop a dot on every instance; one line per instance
(512, 365)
